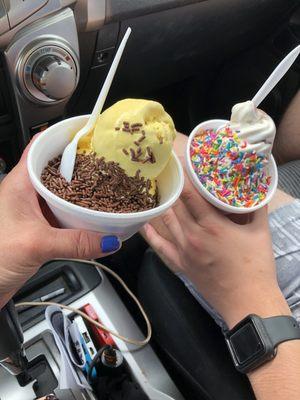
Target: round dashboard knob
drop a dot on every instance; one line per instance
(54, 77)
(48, 72)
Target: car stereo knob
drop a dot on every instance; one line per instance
(54, 77)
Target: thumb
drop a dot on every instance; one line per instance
(74, 243)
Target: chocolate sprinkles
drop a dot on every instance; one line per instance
(100, 185)
(141, 138)
(135, 155)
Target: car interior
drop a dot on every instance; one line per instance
(197, 58)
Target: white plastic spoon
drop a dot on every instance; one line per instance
(69, 154)
(256, 141)
(276, 76)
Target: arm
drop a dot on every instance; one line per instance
(29, 234)
(287, 141)
(233, 267)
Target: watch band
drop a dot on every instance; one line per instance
(281, 329)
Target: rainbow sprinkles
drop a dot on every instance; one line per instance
(229, 171)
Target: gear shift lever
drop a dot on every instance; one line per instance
(12, 354)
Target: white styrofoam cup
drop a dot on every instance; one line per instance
(227, 208)
(52, 142)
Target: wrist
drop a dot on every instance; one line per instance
(265, 303)
(279, 378)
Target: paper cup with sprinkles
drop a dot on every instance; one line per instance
(231, 179)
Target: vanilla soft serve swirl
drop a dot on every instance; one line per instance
(254, 126)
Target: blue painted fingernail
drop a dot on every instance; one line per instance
(109, 244)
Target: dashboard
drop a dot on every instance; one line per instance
(55, 53)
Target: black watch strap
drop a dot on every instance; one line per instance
(281, 329)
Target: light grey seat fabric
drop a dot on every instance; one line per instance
(289, 178)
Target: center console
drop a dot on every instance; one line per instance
(83, 284)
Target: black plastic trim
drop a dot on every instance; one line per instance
(77, 278)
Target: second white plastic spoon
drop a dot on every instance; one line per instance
(276, 76)
(258, 141)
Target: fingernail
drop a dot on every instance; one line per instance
(110, 243)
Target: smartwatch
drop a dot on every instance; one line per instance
(254, 340)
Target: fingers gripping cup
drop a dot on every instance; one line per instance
(51, 144)
(253, 193)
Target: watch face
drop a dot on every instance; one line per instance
(246, 343)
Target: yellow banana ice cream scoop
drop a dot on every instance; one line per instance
(138, 134)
